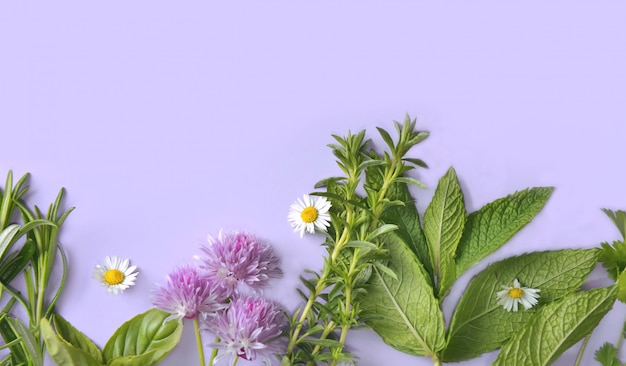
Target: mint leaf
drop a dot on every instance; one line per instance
(443, 226)
(407, 219)
(494, 224)
(556, 327)
(480, 325)
(607, 355)
(613, 258)
(403, 310)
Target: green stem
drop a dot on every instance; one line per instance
(196, 328)
(321, 285)
(582, 350)
(327, 329)
(214, 353)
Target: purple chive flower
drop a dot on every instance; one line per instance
(239, 258)
(250, 328)
(188, 294)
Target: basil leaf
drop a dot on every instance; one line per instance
(76, 338)
(142, 334)
(62, 352)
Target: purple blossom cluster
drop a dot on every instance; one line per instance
(223, 293)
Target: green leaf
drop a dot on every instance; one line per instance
(480, 325)
(556, 327)
(443, 226)
(381, 230)
(9, 335)
(619, 219)
(418, 162)
(76, 338)
(494, 224)
(613, 258)
(412, 181)
(607, 355)
(387, 138)
(62, 352)
(621, 287)
(407, 219)
(404, 310)
(364, 245)
(144, 333)
(33, 350)
(8, 237)
(139, 360)
(14, 264)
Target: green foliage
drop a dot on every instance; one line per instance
(607, 355)
(72, 353)
(35, 260)
(406, 218)
(613, 258)
(360, 217)
(480, 325)
(403, 309)
(73, 336)
(142, 334)
(142, 341)
(444, 220)
(556, 327)
(621, 287)
(495, 223)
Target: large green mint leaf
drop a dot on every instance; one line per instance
(143, 334)
(443, 226)
(404, 310)
(556, 327)
(62, 352)
(494, 224)
(407, 219)
(480, 325)
(76, 338)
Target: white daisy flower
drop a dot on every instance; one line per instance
(516, 294)
(309, 213)
(115, 274)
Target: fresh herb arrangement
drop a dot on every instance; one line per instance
(387, 267)
(34, 260)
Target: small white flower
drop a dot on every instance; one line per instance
(308, 214)
(516, 294)
(115, 274)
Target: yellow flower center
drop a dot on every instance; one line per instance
(516, 293)
(113, 277)
(309, 214)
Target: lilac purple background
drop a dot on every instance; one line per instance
(167, 122)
